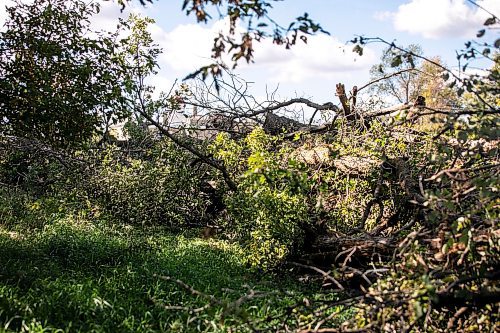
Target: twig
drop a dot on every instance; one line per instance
(322, 272)
(386, 77)
(206, 159)
(456, 170)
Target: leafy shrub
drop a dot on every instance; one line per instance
(269, 210)
(153, 185)
(158, 187)
(36, 182)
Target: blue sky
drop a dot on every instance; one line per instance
(439, 26)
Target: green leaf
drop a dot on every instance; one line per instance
(463, 136)
(358, 49)
(396, 61)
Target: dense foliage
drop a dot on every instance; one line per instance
(57, 80)
(387, 216)
(271, 202)
(157, 187)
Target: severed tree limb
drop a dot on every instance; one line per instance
(204, 158)
(354, 98)
(386, 111)
(277, 106)
(327, 127)
(343, 99)
(368, 115)
(313, 130)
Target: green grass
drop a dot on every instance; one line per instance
(77, 276)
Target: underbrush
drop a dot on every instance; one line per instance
(152, 185)
(367, 211)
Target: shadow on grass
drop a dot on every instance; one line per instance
(85, 278)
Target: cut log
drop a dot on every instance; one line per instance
(350, 165)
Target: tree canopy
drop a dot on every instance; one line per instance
(57, 78)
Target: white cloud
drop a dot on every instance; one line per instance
(440, 18)
(185, 48)
(383, 16)
(188, 47)
(161, 83)
(107, 19)
(322, 57)
(110, 11)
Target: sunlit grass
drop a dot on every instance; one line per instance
(74, 275)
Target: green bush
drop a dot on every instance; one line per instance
(158, 187)
(154, 185)
(270, 209)
(36, 183)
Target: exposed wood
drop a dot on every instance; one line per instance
(343, 99)
(354, 98)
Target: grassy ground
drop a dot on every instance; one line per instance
(74, 275)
